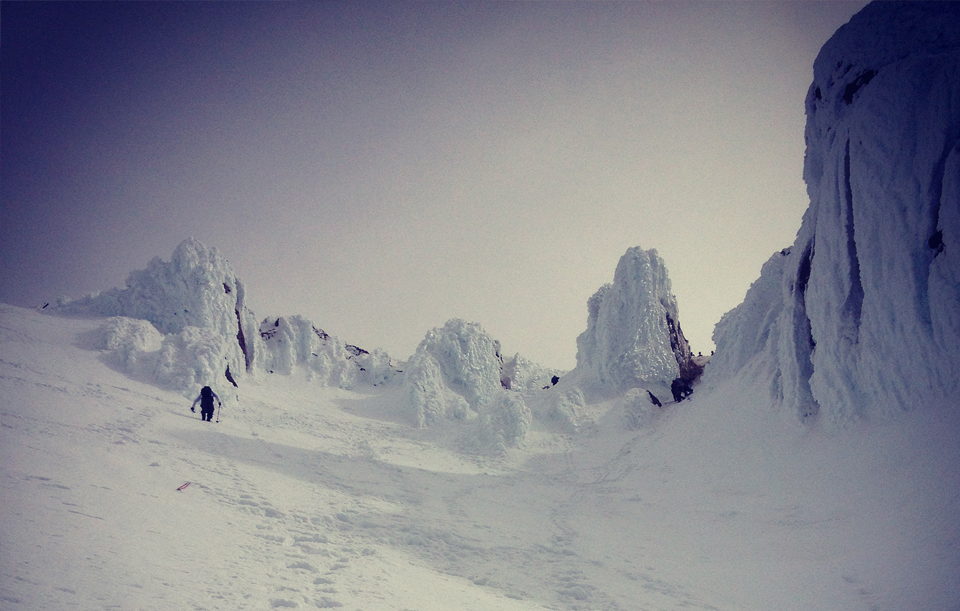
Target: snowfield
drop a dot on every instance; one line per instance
(305, 496)
(816, 466)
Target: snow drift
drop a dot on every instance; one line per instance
(861, 316)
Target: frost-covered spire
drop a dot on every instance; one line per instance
(633, 336)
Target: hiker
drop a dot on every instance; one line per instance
(680, 389)
(206, 398)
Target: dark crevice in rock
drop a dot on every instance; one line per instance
(804, 344)
(242, 340)
(230, 377)
(858, 83)
(936, 243)
(854, 303)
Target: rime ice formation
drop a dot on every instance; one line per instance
(633, 337)
(455, 368)
(867, 318)
(459, 373)
(285, 343)
(184, 323)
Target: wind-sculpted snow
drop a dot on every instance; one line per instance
(633, 337)
(457, 373)
(288, 342)
(185, 324)
(870, 290)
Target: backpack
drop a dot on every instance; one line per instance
(206, 398)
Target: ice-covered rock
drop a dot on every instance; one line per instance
(751, 327)
(458, 373)
(196, 288)
(287, 342)
(461, 357)
(197, 305)
(868, 318)
(633, 337)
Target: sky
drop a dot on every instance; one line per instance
(381, 168)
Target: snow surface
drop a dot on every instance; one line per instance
(461, 479)
(307, 496)
(866, 321)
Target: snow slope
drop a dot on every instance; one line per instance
(306, 496)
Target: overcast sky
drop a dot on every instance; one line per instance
(381, 168)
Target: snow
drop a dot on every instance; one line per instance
(866, 323)
(311, 496)
(633, 338)
(197, 306)
(461, 479)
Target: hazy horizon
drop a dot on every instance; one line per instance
(381, 168)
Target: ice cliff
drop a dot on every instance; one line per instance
(185, 323)
(633, 337)
(861, 316)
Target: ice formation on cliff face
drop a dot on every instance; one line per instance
(633, 336)
(185, 323)
(867, 318)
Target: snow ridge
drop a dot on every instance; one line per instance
(867, 322)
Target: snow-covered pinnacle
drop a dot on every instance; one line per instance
(195, 306)
(196, 288)
(869, 307)
(633, 337)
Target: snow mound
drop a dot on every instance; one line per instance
(633, 336)
(867, 322)
(566, 411)
(458, 373)
(127, 340)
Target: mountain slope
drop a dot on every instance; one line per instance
(305, 497)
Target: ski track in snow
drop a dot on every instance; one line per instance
(310, 497)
